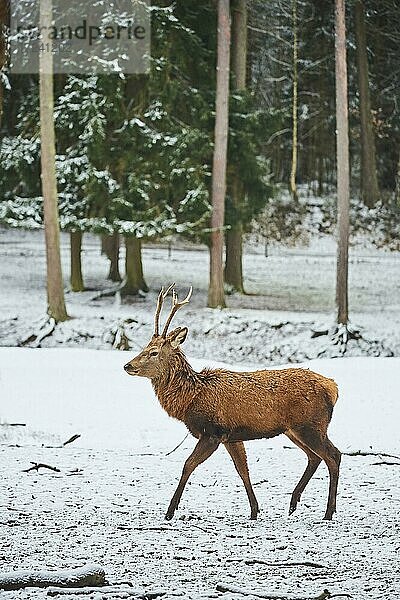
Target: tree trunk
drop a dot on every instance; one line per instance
(110, 247)
(55, 291)
(76, 262)
(369, 179)
(3, 49)
(216, 296)
(133, 268)
(233, 262)
(342, 153)
(397, 192)
(234, 254)
(292, 185)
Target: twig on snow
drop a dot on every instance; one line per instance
(178, 446)
(37, 466)
(153, 528)
(361, 453)
(20, 512)
(256, 561)
(325, 595)
(387, 462)
(113, 590)
(73, 438)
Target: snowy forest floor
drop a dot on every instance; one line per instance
(107, 502)
(290, 295)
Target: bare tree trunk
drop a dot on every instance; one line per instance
(76, 262)
(110, 247)
(397, 193)
(216, 296)
(369, 178)
(234, 257)
(133, 268)
(55, 291)
(233, 260)
(292, 185)
(342, 152)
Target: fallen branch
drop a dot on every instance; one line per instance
(20, 512)
(108, 292)
(89, 575)
(387, 462)
(13, 424)
(112, 590)
(325, 595)
(46, 327)
(73, 438)
(256, 561)
(360, 453)
(154, 528)
(37, 466)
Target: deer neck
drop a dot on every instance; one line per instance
(177, 386)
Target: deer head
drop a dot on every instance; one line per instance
(155, 357)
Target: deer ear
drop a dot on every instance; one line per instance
(177, 336)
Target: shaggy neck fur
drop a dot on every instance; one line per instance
(177, 386)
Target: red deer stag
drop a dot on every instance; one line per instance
(220, 406)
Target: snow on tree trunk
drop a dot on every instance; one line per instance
(233, 262)
(55, 292)
(133, 268)
(76, 261)
(216, 296)
(369, 179)
(342, 149)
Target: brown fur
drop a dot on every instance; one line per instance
(229, 407)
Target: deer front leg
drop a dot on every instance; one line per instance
(203, 450)
(238, 454)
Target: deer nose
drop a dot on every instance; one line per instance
(127, 367)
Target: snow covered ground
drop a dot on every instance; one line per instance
(108, 500)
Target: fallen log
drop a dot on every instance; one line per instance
(325, 595)
(89, 575)
(256, 561)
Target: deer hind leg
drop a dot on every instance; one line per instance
(320, 444)
(203, 450)
(238, 454)
(312, 465)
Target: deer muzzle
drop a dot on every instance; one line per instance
(130, 370)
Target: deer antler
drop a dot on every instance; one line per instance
(161, 297)
(175, 307)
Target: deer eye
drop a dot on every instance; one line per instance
(153, 352)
